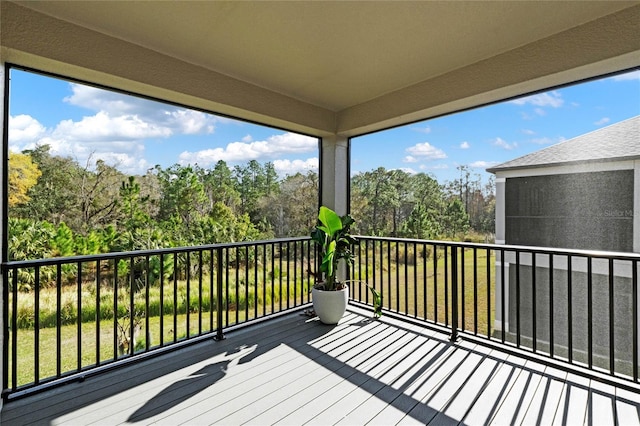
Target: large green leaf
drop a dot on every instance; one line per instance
(331, 222)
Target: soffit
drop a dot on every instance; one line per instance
(334, 56)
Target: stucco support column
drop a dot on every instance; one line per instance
(3, 162)
(501, 184)
(335, 173)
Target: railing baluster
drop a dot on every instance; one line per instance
(79, 318)
(534, 297)
(373, 266)
(273, 276)
(213, 298)
(255, 281)
(219, 334)
(397, 285)
(264, 281)
(461, 282)
(415, 280)
(634, 309)
(446, 284)
(475, 291)
(14, 332)
(288, 260)
(502, 295)
(435, 283)
(98, 311)
(424, 280)
(147, 313)
(188, 307)
(162, 299)
(226, 286)
(58, 319)
(518, 328)
(175, 297)
(132, 308)
(115, 309)
(590, 311)
(489, 293)
(389, 291)
(36, 326)
(551, 308)
(200, 267)
(570, 307)
(611, 321)
(454, 293)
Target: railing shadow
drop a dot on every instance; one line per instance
(435, 379)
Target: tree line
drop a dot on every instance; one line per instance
(59, 207)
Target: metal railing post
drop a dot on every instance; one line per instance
(219, 333)
(454, 293)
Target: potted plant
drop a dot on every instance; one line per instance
(331, 234)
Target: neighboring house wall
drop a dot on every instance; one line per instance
(589, 205)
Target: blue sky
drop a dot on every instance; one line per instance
(134, 134)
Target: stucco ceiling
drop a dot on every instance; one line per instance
(355, 66)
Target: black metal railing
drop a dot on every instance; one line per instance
(576, 306)
(68, 317)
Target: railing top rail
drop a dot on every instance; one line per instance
(141, 253)
(527, 249)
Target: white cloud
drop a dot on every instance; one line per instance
(504, 144)
(104, 128)
(274, 146)
(24, 129)
(291, 167)
(171, 119)
(465, 145)
(409, 159)
(528, 132)
(114, 133)
(482, 164)
(408, 170)
(633, 75)
(548, 99)
(426, 150)
(602, 121)
(540, 112)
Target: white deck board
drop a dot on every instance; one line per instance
(293, 371)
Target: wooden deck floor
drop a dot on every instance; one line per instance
(293, 370)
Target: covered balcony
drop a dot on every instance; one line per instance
(225, 328)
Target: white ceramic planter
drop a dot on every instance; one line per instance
(330, 306)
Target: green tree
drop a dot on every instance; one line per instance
(291, 211)
(455, 220)
(98, 195)
(183, 195)
(23, 175)
(54, 197)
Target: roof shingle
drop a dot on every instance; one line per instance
(619, 141)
